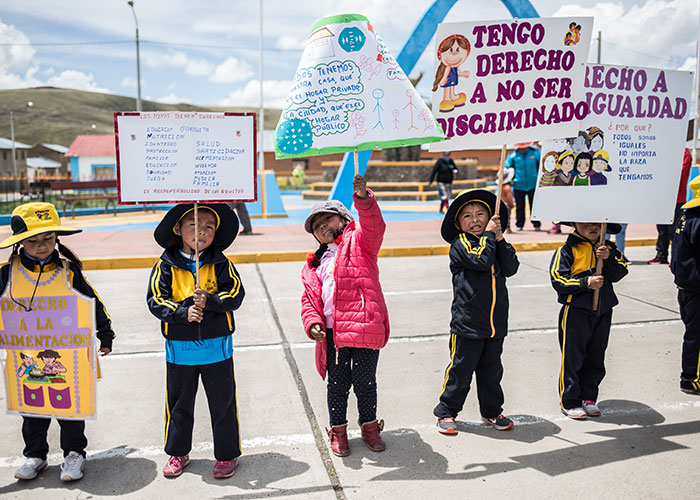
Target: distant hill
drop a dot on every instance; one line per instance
(58, 115)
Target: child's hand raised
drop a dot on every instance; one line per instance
(360, 186)
(602, 252)
(200, 298)
(195, 314)
(595, 282)
(316, 332)
(494, 225)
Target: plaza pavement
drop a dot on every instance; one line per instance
(645, 446)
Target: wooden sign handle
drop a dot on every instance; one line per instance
(599, 264)
(500, 180)
(196, 247)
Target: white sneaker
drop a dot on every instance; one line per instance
(591, 408)
(72, 468)
(31, 468)
(577, 413)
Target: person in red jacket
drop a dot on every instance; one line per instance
(344, 311)
(665, 231)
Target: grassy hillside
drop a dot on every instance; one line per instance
(57, 115)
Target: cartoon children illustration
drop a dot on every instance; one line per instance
(28, 364)
(565, 166)
(582, 165)
(452, 52)
(560, 145)
(600, 165)
(579, 144)
(577, 34)
(52, 366)
(569, 39)
(595, 139)
(549, 167)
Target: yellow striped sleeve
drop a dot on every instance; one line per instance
(236, 284)
(555, 271)
(155, 289)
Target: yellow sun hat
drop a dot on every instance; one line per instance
(695, 187)
(31, 219)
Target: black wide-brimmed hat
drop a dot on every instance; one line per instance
(450, 227)
(612, 228)
(226, 224)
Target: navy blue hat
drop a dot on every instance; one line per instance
(226, 223)
(450, 227)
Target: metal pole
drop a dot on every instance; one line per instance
(600, 36)
(138, 62)
(696, 90)
(14, 152)
(261, 122)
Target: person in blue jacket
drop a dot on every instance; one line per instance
(524, 160)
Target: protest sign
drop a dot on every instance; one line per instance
(184, 157)
(499, 82)
(624, 163)
(349, 94)
(50, 368)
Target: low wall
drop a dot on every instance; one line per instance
(401, 171)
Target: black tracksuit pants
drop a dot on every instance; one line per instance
(356, 367)
(220, 387)
(467, 356)
(583, 339)
(35, 430)
(689, 303)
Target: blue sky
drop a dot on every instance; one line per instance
(206, 53)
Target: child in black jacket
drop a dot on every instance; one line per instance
(584, 332)
(480, 262)
(685, 255)
(197, 323)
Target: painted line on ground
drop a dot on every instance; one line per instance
(98, 264)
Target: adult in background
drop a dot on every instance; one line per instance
(242, 212)
(665, 231)
(445, 170)
(525, 161)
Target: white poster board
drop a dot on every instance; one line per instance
(185, 157)
(503, 82)
(624, 163)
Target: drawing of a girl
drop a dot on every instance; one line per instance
(52, 366)
(452, 52)
(595, 139)
(549, 167)
(582, 165)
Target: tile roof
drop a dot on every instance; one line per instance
(93, 145)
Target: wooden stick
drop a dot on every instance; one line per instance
(196, 247)
(599, 264)
(357, 163)
(500, 179)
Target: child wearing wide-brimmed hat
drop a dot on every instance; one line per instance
(37, 252)
(583, 330)
(480, 262)
(197, 323)
(343, 310)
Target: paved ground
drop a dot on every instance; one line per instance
(644, 446)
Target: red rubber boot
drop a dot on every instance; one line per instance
(338, 437)
(371, 437)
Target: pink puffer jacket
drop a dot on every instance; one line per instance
(360, 317)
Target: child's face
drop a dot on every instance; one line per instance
(40, 246)
(326, 225)
(567, 164)
(48, 361)
(549, 164)
(207, 230)
(583, 165)
(589, 230)
(599, 165)
(454, 56)
(579, 144)
(560, 145)
(596, 143)
(28, 361)
(473, 218)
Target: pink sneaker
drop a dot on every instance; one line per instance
(225, 468)
(591, 408)
(175, 465)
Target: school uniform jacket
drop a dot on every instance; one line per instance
(170, 292)
(480, 266)
(685, 251)
(571, 266)
(103, 322)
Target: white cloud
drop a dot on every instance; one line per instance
(231, 70)
(193, 67)
(74, 79)
(275, 93)
(690, 64)
(173, 99)
(129, 82)
(17, 69)
(290, 42)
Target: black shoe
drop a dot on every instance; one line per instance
(499, 423)
(690, 390)
(246, 232)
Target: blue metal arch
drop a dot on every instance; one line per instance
(407, 59)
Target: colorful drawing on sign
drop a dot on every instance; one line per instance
(576, 161)
(347, 72)
(452, 53)
(51, 362)
(549, 169)
(573, 36)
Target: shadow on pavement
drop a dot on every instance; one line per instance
(527, 429)
(104, 476)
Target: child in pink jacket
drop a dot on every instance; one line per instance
(343, 310)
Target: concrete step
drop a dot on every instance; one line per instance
(417, 187)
